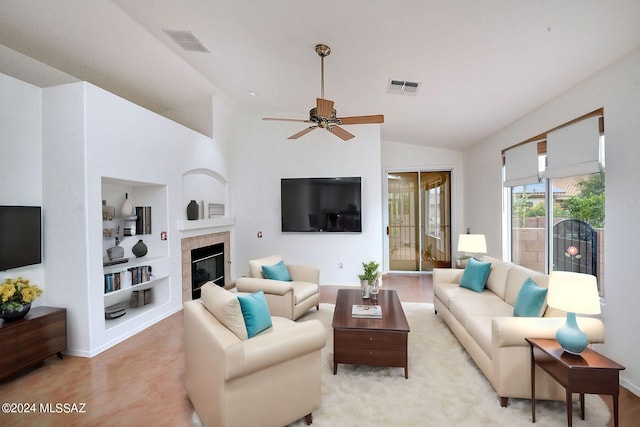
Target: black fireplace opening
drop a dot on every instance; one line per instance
(207, 264)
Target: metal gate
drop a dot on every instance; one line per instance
(575, 247)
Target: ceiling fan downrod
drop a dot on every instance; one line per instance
(322, 50)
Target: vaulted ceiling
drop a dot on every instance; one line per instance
(480, 64)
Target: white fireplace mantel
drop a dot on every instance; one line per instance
(223, 221)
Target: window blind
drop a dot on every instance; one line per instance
(521, 165)
(574, 149)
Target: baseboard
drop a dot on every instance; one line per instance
(94, 352)
(631, 387)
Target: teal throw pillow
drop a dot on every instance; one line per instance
(255, 312)
(475, 275)
(530, 300)
(276, 272)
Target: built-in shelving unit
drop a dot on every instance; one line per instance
(101, 147)
(159, 286)
(144, 194)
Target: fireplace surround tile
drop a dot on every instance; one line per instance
(195, 242)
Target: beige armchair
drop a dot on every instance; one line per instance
(271, 379)
(286, 299)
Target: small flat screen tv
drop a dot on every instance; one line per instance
(20, 236)
(322, 205)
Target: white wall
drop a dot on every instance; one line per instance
(617, 89)
(89, 134)
(21, 157)
(262, 155)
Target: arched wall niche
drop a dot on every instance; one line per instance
(205, 187)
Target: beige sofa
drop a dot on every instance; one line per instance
(495, 339)
(286, 299)
(271, 379)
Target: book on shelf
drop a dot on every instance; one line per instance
(116, 281)
(366, 311)
(140, 297)
(126, 279)
(140, 274)
(143, 219)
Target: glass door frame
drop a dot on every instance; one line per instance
(454, 217)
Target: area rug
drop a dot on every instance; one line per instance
(444, 388)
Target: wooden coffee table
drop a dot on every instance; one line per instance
(374, 342)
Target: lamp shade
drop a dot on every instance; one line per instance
(472, 243)
(573, 292)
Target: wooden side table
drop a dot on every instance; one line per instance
(590, 372)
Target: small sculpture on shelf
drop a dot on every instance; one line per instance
(116, 252)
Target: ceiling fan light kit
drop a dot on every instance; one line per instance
(324, 116)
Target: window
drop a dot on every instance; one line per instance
(558, 222)
(433, 212)
(528, 226)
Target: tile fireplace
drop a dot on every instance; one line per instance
(206, 257)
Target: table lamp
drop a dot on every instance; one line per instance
(472, 244)
(573, 293)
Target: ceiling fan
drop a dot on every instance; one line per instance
(324, 115)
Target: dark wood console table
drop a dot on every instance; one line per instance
(30, 340)
(589, 372)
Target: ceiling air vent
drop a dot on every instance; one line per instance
(186, 40)
(401, 87)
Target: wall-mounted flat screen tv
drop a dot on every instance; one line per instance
(20, 236)
(321, 204)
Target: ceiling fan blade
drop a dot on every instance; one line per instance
(341, 133)
(302, 132)
(324, 107)
(288, 120)
(362, 120)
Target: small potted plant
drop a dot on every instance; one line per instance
(16, 296)
(369, 278)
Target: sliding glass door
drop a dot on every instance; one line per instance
(419, 230)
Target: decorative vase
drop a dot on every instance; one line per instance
(127, 207)
(364, 284)
(10, 314)
(374, 289)
(192, 210)
(116, 252)
(139, 249)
